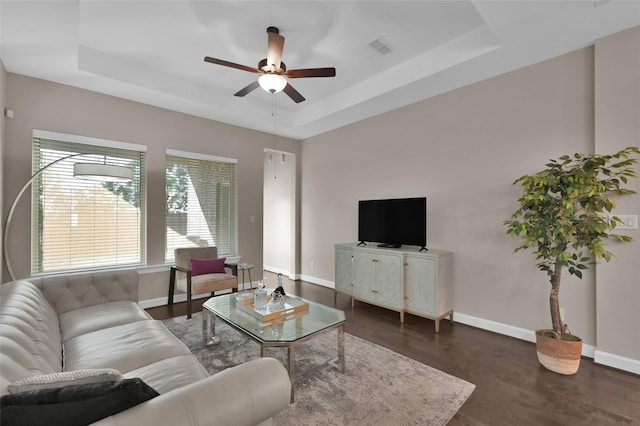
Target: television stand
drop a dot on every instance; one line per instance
(423, 248)
(385, 245)
(404, 280)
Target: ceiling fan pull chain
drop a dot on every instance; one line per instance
(275, 135)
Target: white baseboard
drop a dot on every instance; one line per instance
(617, 361)
(496, 327)
(284, 272)
(509, 330)
(319, 281)
(308, 278)
(600, 357)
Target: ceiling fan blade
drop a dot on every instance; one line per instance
(231, 65)
(247, 89)
(275, 46)
(293, 93)
(311, 72)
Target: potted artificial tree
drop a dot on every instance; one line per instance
(564, 217)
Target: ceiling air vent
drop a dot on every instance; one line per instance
(382, 46)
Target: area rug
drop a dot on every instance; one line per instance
(379, 387)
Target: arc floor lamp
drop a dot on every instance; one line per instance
(101, 172)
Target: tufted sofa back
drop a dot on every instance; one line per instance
(30, 340)
(74, 291)
(29, 333)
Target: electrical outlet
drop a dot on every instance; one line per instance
(312, 264)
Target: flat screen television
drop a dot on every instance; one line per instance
(394, 222)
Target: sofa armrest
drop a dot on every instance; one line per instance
(73, 291)
(248, 394)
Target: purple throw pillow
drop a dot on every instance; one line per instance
(207, 266)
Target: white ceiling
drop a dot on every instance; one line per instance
(152, 51)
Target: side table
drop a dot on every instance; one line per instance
(235, 267)
(246, 267)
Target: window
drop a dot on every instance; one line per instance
(80, 224)
(201, 202)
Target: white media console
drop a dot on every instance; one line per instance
(401, 279)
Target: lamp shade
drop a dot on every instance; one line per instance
(273, 83)
(102, 172)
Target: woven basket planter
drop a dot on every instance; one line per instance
(559, 356)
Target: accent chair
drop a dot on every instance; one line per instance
(199, 270)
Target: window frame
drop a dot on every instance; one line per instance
(87, 144)
(187, 155)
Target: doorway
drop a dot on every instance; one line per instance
(279, 213)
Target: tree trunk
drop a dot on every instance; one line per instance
(556, 321)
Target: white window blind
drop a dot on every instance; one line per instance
(201, 203)
(80, 224)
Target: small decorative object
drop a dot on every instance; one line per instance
(260, 296)
(279, 290)
(277, 302)
(290, 306)
(244, 295)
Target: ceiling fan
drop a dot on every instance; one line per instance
(273, 72)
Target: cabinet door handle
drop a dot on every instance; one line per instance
(374, 291)
(374, 260)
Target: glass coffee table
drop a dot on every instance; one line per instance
(287, 330)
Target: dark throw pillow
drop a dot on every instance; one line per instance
(207, 266)
(73, 405)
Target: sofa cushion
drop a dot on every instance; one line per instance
(29, 334)
(124, 347)
(98, 317)
(65, 378)
(208, 283)
(73, 405)
(171, 373)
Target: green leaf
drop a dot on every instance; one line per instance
(561, 210)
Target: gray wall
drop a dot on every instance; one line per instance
(3, 89)
(617, 124)
(462, 150)
(43, 105)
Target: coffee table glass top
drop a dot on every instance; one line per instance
(286, 329)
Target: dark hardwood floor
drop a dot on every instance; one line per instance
(511, 386)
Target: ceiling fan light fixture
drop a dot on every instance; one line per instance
(272, 83)
(272, 71)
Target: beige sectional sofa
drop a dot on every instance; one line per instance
(73, 323)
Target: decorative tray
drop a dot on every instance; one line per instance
(291, 306)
